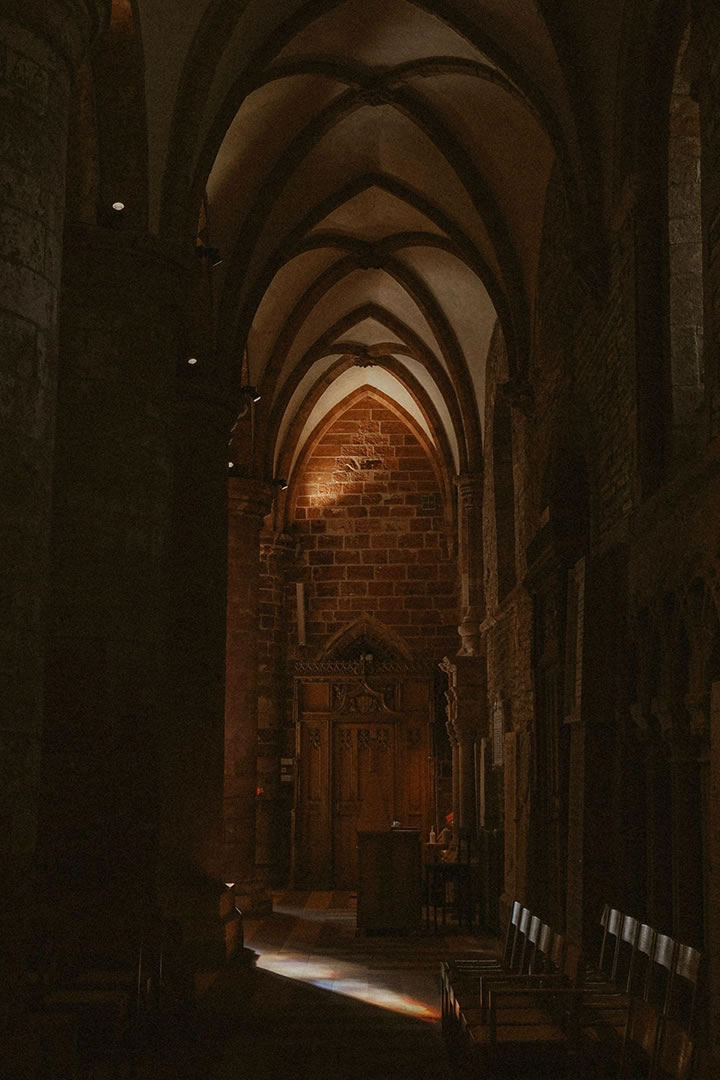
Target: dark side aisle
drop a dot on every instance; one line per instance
(322, 1003)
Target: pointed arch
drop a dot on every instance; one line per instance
(366, 630)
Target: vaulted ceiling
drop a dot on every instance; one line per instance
(373, 174)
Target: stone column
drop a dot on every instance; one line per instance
(275, 740)
(470, 561)
(467, 721)
(249, 501)
(41, 42)
(106, 717)
(191, 859)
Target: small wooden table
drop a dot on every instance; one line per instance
(389, 881)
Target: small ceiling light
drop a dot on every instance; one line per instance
(192, 360)
(118, 207)
(231, 464)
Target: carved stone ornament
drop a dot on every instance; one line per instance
(374, 96)
(357, 667)
(361, 698)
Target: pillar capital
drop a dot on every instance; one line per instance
(470, 489)
(470, 631)
(249, 497)
(68, 26)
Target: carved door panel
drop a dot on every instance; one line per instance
(363, 761)
(413, 763)
(364, 790)
(313, 810)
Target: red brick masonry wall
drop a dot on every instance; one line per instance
(369, 508)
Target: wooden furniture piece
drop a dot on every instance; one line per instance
(389, 881)
(363, 760)
(631, 1016)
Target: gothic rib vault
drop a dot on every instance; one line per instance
(412, 306)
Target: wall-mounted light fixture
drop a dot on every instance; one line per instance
(278, 481)
(118, 207)
(250, 393)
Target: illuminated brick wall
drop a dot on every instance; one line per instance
(375, 540)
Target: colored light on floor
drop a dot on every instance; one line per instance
(339, 980)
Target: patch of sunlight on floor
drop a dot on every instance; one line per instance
(339, 980)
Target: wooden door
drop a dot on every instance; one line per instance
(364, 761)
(364, 790)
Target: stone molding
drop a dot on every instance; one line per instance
(358, 667)
(470, 488)
(470, 631)
(249, 497)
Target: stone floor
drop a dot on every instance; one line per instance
(323, 1003)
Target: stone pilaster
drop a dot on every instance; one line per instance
(274, 801)
(191, 857)
(106, 673)
(470, 561)
(467, 722)
(41, 42)
(249, 501)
